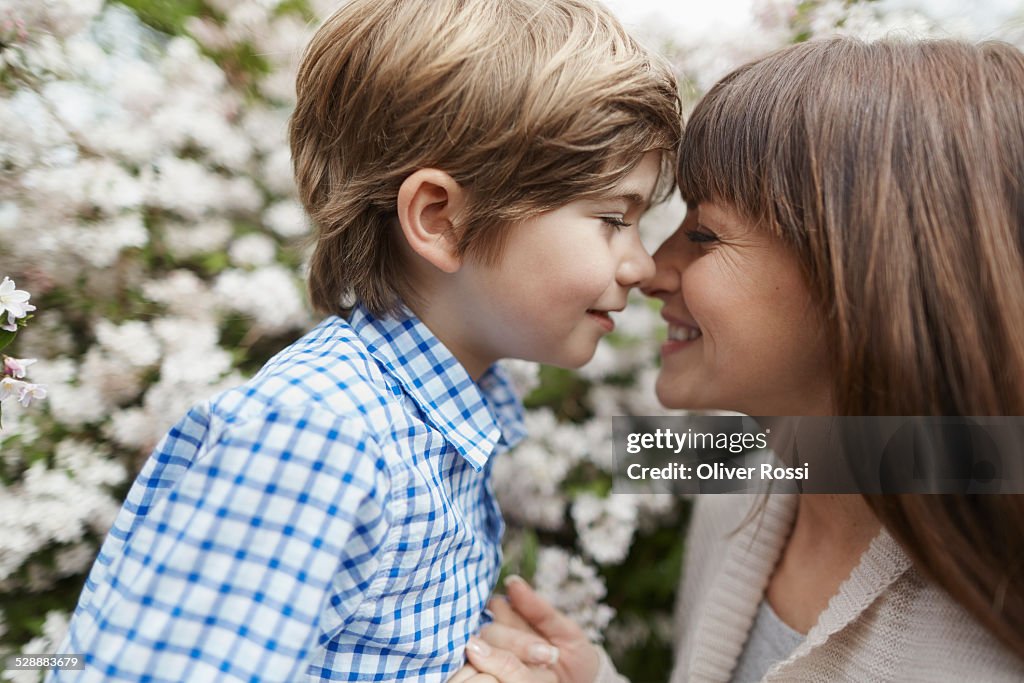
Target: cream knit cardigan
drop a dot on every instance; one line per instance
(886, 623)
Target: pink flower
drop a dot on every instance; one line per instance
(31, 392)
(15, 367)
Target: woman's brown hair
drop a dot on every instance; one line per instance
(895, 170)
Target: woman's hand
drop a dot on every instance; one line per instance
(501, 667)
(466, 674)
(530, 642)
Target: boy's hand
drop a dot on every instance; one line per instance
(517, 647)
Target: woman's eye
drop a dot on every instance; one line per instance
(701, 236)
(617, 222)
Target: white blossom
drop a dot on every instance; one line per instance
(286, 218)
(201, 237)
(268, 295)
(10, 387)
(115, 378)
(101, 243)
(133, 341)
(31, 392)
(524, 374)
(48, 506)
(185, 187)
(9, 215)
(78, 405)
(626, 633)
(47, 336)
(605, 361)
(252, 250)
(527, 484)
(605, 526)
(574, 587)
(654, 509)
(74, 559)
(55, 626)
(13, 303)
(179, 291)
(26, 392)
(88, 463)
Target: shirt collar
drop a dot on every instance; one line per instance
(476, 418)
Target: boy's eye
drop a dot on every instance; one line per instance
(701, 235)
(617, 222)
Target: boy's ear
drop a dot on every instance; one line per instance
(429, 202)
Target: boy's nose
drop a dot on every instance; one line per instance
(638, 266)
(670, 259)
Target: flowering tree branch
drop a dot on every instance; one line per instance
(15, 312)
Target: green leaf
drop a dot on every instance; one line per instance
(531, 548)
(6, 338)
(168, 16)
(215, 262)
(300, 7)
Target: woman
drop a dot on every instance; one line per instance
(854, 246)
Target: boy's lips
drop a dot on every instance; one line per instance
(602, 317)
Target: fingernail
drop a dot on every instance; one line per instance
(513, 578)
(479, 647)
(542, 654)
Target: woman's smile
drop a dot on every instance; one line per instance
(681, 335)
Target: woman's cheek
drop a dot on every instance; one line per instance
(700, 292)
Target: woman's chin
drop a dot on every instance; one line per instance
(676, 395)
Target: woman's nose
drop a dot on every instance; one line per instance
(669, 261)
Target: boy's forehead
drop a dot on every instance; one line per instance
(633, 197)
(639, 184)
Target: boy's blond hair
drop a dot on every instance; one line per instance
(527, 104)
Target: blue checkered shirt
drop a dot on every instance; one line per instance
(330, 520)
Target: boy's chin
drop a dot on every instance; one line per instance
(570, 359)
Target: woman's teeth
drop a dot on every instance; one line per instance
(680, 333)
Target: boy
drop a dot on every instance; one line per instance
(475, 170)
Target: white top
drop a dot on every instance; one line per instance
(886, 623)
